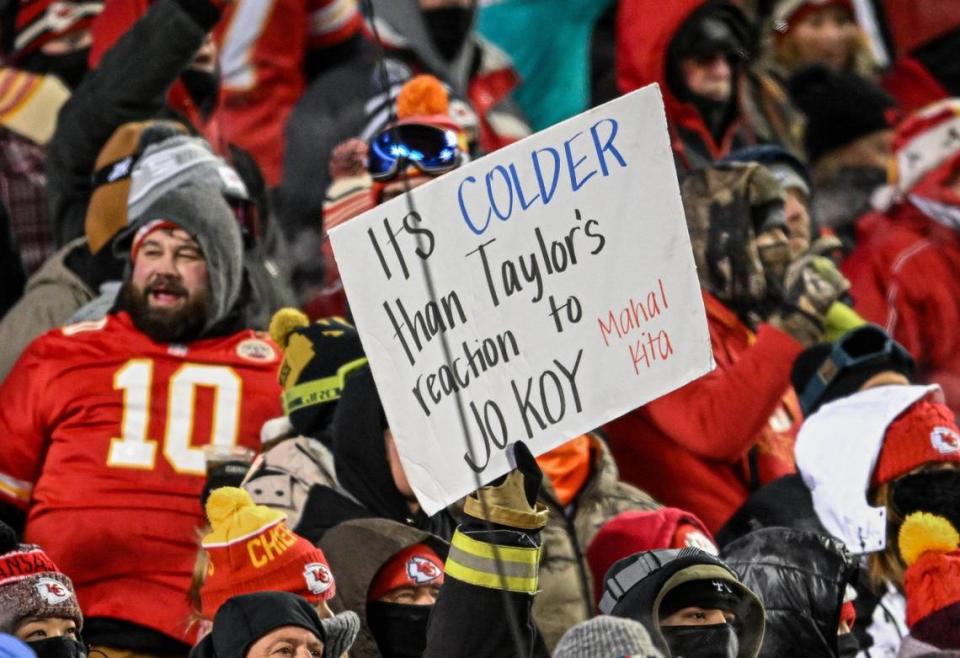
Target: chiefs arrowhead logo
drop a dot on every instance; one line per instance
(318, 577)
(422, 571)
(53, 592)
(945, 440)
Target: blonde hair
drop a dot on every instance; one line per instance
(786, 54)
(200, 567)
(887, 566)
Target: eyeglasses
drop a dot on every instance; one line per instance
(862, 347)
(430, 149)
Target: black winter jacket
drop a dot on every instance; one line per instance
(801, 578)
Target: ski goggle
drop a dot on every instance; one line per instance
(862, 347)
(430, 149)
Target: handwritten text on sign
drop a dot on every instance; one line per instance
(562, 294)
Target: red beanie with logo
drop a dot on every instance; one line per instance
(415, 566)
(923, 434)
(252, 550)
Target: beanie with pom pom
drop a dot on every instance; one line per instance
(929, 546)
(317, 358)
(252, 550)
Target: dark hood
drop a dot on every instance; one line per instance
(356, 550)
(660, 572)
(402, 27)
(801, 578)
(361, 462)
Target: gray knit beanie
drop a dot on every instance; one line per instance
(606, 637)
(200, 210)
(31, 585)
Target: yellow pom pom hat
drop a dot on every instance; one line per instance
(929, 546)
(252, 550)
(317, 358)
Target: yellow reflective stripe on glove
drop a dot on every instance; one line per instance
(475, 563)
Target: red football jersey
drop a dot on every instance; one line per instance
(262, 48)
(103, 435)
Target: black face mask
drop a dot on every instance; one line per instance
(937, 492)
(714, 641)
(70, 68)
(448, 28)
(203, 87)
(58, 647)
(399, 629)
(847, 646)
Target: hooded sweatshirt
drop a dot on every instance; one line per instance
(645, 30)
(336, 104)
(360, 456)
(636, 586)
(356, 550)
(201, 211)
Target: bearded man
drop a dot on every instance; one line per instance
(104, 423)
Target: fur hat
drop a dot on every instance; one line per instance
(31, 585)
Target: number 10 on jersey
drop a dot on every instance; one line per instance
(135, 449)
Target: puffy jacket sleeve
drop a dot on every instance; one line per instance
(719, 415)
(130, 84)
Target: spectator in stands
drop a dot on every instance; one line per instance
(46, 47)
(393, 575)
(707, 445)
(417, 36)
(859, 490)
(264, 624)
(697, 52)
(37, 601)
(806, 32)
(636, 532)
(365, 175)
(583, 491)
(139, 78)
(804, 581)
(692, 603)
(115, 411)
(914, 240)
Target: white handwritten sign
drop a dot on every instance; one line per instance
(532, 295)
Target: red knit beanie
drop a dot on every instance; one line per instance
(637, 531)
(415, 566)
(929, 546)
(252, 550)
(923, 434)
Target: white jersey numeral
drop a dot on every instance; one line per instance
(136, 450)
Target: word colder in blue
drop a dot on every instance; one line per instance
(500, 192)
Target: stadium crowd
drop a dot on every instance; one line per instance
(194, 457)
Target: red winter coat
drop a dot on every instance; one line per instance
(906, 277)
(645, 29)
(693, 448)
